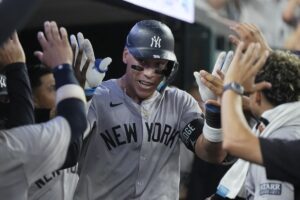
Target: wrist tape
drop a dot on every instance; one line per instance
(212, 127)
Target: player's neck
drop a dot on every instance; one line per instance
(122, 82)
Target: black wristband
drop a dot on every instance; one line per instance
(213, 115)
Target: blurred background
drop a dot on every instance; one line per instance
(107, 22)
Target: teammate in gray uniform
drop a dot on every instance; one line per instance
(277, 102)
(28, 152)
(137, 122)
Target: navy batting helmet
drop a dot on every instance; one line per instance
(151, 39)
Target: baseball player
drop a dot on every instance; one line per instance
(137, 123)
(28, 152)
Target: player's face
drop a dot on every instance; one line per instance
(44, 95)
(143, 76)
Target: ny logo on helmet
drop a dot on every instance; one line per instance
(2, 82)
(155, 41)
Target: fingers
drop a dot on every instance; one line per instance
(88, 49)
(234, 40)
(39, 55)
(80, 39)
(239, 50)
(260, 63)
(262, 85)
(85, 67)
(219, 62)
(42, 40)
(212, 82)
(205, 92)
(63, 34)
(47, 30)
(54, 31)
(228, 60)
(78, 60)
(220, 74)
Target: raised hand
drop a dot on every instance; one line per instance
(248, 33)
(211, 85)
(245, 66)
(56, 49)
(11, 51)
(89, 70)
(80, 61)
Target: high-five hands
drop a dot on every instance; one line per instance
(245, 66)
(56, 49)
(89, 70)
(211, 85)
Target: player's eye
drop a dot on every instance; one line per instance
(137, 68)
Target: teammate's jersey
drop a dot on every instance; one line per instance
(133, 152)
(29, 152)
(258, 187)
(57, 185)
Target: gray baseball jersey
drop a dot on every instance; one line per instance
(133, 152)
(257, 185)
(29, 152)
(57, 185)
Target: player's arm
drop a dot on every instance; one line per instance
(20, 105)
(70, 98)
(238, 139)
(209, 144)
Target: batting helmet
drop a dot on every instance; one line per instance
(151, 39)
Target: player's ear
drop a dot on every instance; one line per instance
(258, 97)
(125, 55)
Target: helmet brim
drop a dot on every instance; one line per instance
(147, 53)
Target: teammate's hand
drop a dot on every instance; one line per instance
(11, 51)
(55, 46)
(248, 33)
(245, 66)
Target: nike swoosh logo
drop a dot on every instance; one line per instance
(114, 104)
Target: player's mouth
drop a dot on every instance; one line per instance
(145, 84)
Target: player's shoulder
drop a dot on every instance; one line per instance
(105, 87)
(176, 92)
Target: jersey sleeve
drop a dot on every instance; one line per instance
(20, 95)
(190, 111)
(280, 158)
(40, 148)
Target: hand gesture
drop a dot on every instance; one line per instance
(211, 85)
(248, 33)
(245, 66)
(55, 45)
(89, 70)
(11, 51)
(80, 61)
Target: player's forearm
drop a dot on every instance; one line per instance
(210, 151)
(20, 95)
(238, 139)
(71, 106)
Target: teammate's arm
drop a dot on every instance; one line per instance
(70, 98)
(20, 106)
